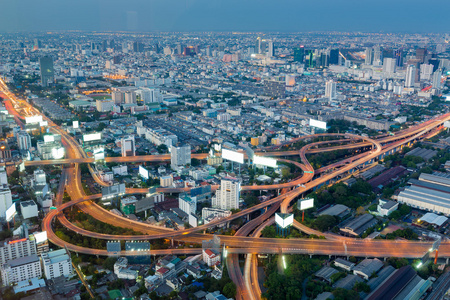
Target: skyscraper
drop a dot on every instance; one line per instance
(270, 49)
(227, 197)
(258, 46)
(47, 72)
(436, 82)
(421, 54)
(23, 140)
(377, 56)
(330, 89)
(410, 76)
(389, 65)
(369, 56)
(398, 55)
(299, 54)
(426, 71)
(334, 57)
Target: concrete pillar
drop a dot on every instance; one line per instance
(310, 256)
(228, 225)
(446, 260)
(171, 242)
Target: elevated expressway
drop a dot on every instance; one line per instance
(241, 243)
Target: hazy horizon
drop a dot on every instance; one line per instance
(221, 15)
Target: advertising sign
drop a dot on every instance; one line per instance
(265, 161)
(284, 220)
(318, 124)
(233, 156)
(143, 172)
(92, 137)
(11, 212)
(305, 203)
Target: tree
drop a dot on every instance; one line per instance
(269, 232)
(324, 222)
(360, 210)
(109, 263)
(229, 290)
(162, 148)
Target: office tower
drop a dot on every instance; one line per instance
(3, 176)
(128, 146)
(179, 49)
(208, 51)
(130, 97)
(369, 56)
(435, 62)
(258, 46)
(18, 248)
(334, 57)
(389, 65)
(23, 140)
(180, 155)
(118, 97)
(47, 72)
(5, 200)
(20, 269)
(436, 80)
(421, 54)
(270, 49)
(398, 56)
(377, 56)
(299, 54)
(330, 90)
(426, 71)
(93, 46)
(227, 197)
(189, 51)
(104, 45)
(149, 95)
(410, 76)
(57, 263)
(309, 58)
(112, 44)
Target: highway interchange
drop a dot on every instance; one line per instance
(241, 243)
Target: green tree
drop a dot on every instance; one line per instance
(229, 290)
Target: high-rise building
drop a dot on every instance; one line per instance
(130, 97)
(436, 80)
(39, 177)
(5, 200)
(23, 140)
(3, 176)
(334, 57)
(258, 46)
(149, 95)
(330, 89)
(299, 54)
(398, 55)
(18, 248)
(410, 76)
(426, 70)
(275, 89)
(57, 263)
(377, 56)
(389, 65)
(180, 155)
(270, 49)
(369, 56)
(309, 58)
(21, 269)
(47, 72)
(227, 197)
(128, 146)
(421, 54)
(187, 204)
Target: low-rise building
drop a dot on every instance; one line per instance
(210, 257)
(385, 208)
(368, 267)
(29, 209)
(57, 263)
(20, 269)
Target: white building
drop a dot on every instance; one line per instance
(57, 263)
(130, 97)
(122, 271)
(120, 170)
(128, 146)
(149, 95)
(5, 200)
(227, 197)
(210, 257)
(436, 79)
(224, 117)
(187, 204)
(410, 76)
(39, 177)
(166, 181)
(389, 65)
(426, 70)
(385, 208)
(23, 140)
(3, 176)
(221, 213)
(330, 90)
(14, 249)
(20, 269)
(180, 156)
(29, 209)
(104, 105)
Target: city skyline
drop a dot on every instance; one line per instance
(201, 15)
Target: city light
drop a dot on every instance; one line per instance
(284, 262)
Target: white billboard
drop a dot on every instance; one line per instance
(233, 156)
(284, 220)
(265, 161)
(447, 124)
(48, 138)
(43, 123)
(40, 237)
(11, 212)
(99, 153)
(75, 124)
(92, 137)
(58, 153)
(217, 147)
(33, 119)
(318, 124)
(143, 172)
(305, 203)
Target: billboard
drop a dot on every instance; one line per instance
(144, 204)
(33, 119)
(11, 212)
(75, 124)
(40, 237)
(143, 172)
(43, 123)
(92, 137)
(48, 138)
(265, 161)
(303, 204)
(233, 156)
(447, 124)
(58, 153)
(284, 220)
(217, 147)
(99, 153)
(318, 124)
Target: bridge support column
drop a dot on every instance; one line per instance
(247, 217)
(228, 225)
(310, 256)
(384, 258)
(446, 261)
(171, 242)
(329, 256)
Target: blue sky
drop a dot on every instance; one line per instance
(226, 15)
